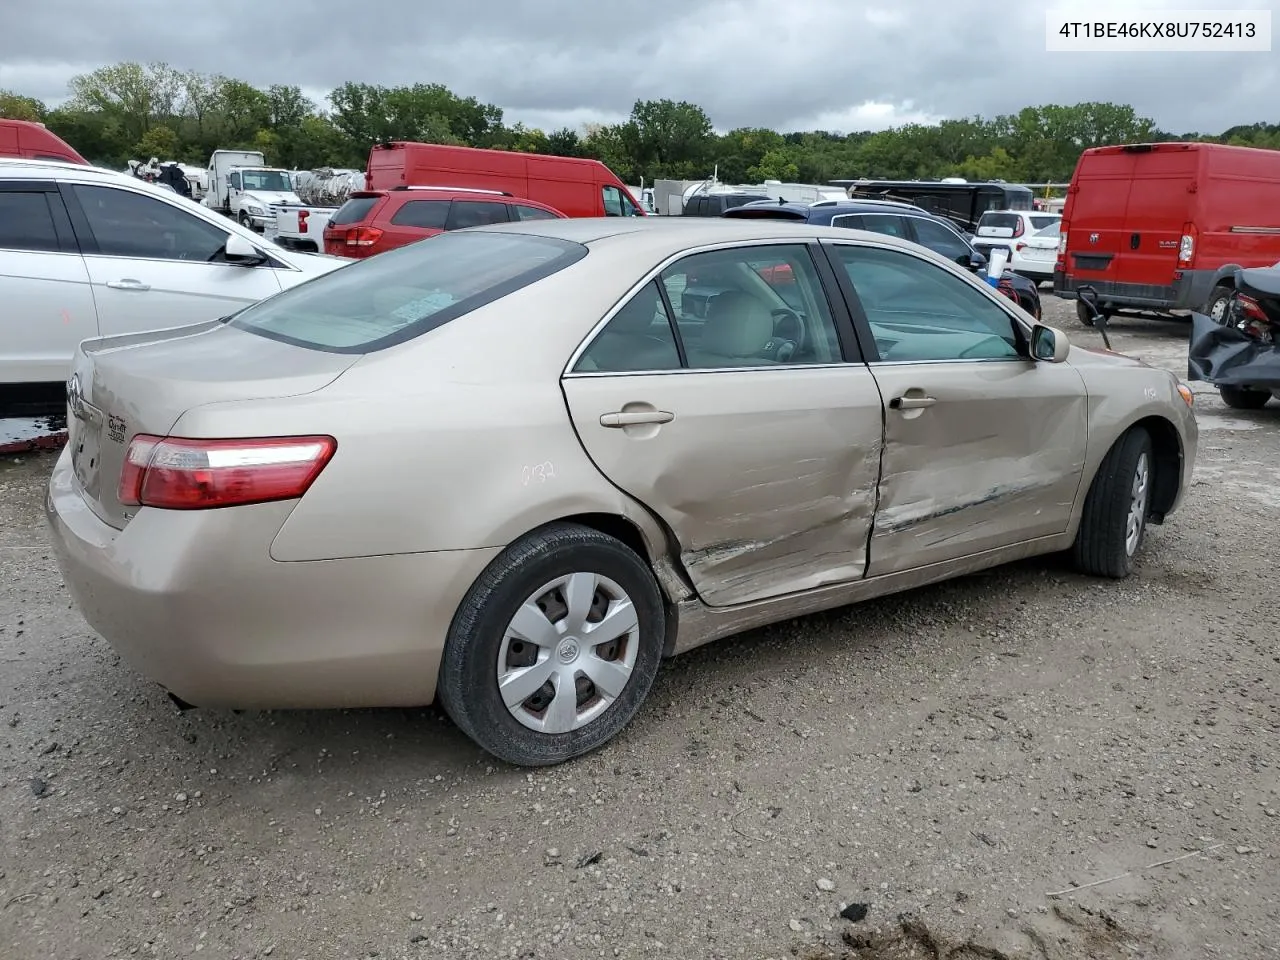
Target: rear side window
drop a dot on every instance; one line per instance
(353, 211)
(403, 293)
(1039, 223)
(26, 222)
(431, 214)
(524, 212)
(475, 213)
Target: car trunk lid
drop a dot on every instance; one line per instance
(142, 383)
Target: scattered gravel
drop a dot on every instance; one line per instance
(941, 760)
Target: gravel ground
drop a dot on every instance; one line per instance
(947, 758)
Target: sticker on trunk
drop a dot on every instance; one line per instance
(116, 428)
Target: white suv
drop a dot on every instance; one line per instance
(87, 252)
(1030, 236)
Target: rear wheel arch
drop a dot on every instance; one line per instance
(662, 558)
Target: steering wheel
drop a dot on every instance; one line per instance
(784, 318)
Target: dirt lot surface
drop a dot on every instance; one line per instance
(949, 758)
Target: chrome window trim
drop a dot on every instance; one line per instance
(1002, 302)
(654, 274)
(203, 213)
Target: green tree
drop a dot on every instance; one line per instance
(775, 165)
(159, 142)
(664, 138)
(14, 106)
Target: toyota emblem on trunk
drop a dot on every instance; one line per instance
(75, 397)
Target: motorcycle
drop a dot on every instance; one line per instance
(1240, 352)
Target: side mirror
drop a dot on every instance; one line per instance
(1048, 344)
(973, 260)
(241, 252)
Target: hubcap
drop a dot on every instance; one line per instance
(1218, 309)
(568, 653)
(1137, 506)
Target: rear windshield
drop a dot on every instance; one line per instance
(1001, 221)
(353, 211)
(764, 213)
(403, 293)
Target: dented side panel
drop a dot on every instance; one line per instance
(996, 460)
(767, 478)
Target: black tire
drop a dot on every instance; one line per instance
(1100, 547)
(1243, 398)
(468, 682)
(245, 221)
(1220, 295)
(1084, 314)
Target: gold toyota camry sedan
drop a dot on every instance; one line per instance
(512, 468)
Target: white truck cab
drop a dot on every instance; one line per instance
(243, 187)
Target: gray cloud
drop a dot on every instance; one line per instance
(549, 63)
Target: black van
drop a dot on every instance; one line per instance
(715, 204)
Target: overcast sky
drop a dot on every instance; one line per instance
(822, 64)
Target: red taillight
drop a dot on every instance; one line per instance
(1019, 247)
(1249, 307)
(302, 220)
(177, 473)
(1018, 229)
(1187, 245)
(363, 236)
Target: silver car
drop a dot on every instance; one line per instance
(513, 468)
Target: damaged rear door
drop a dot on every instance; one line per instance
(719, 397)
(984, 447)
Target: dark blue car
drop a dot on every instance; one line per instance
(896, 220)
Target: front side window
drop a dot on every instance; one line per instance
(26, 222)
(475, 213)
(406, 292)
(751, 306)
(920, 311)
(943, 240)
(128, 224)
(618, 204)
(429, 214)
(639, 337)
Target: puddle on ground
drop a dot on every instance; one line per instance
(21, 434)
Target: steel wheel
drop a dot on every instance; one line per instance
(1218, 306)
(568, 653)
(1137, 516)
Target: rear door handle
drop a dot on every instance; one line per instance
(128, 284)
(911, 403)
(631, 417)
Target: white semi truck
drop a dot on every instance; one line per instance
(243, 187)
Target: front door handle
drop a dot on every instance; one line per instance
(911, 403)
(628, 418)
(128, 284)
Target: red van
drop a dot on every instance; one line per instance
(34, 141)
(574, 186)
(1155, 227)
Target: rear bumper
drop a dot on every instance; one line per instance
(192, 600)
(1189, 290)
